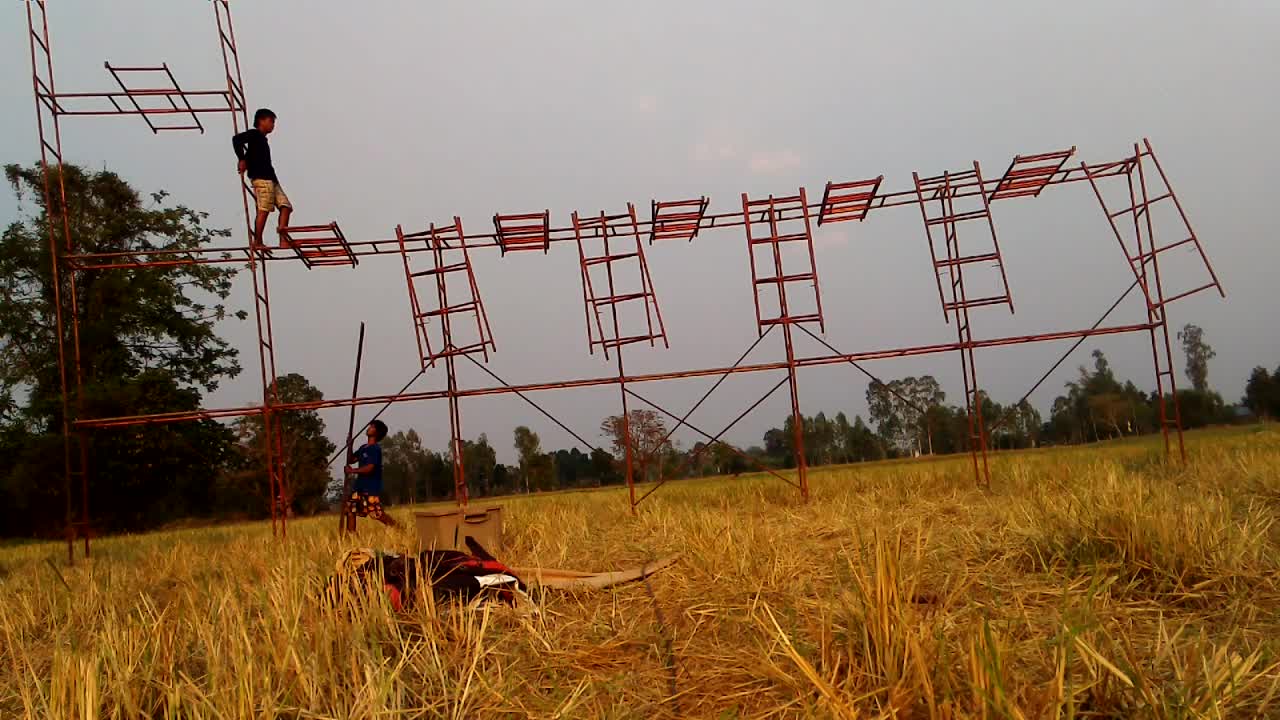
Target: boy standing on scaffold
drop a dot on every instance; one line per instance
(254, 154)
(366, 496)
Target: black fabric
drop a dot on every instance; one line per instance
(453, 576)
(252, 147)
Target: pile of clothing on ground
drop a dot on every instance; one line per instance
(470, 578)
(452, 575)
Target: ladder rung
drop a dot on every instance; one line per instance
(614, 299)
(668, 218)
(958, 217)
(456, 351)
(1146, 257)
(791, 237)
(461, 307)
(980, 302)
(1142, 206)
(1179, 296)
(1035, 171)
(674, 229)
(1006, 193)
(618, 342)
(785, 278)
(778, 203)
(937, 181)
(793, 319)
(609, 258)
(596, 221)
(308, 228)
(992, 257)
(440, 270)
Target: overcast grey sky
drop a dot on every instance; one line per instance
(409, 112)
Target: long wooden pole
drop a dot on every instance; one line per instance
(351, 433)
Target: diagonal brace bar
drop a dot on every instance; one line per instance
(716, 438)
(707, 394)
(1079, 341)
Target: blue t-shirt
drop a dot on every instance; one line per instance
(370, 483)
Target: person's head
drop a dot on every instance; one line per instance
(264, 120)
(376, 431)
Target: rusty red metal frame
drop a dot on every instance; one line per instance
(772, 222)
(523, 231)
(446, 240)
(1144, 261)
(842, 202)
(555, 235)
(939, 189)
(319, 245)
(1029, 174)
(51, 106)
(803, 362)
(605, 227)
(677, 219)
(129, 100)
(771, 211)
(452, 240)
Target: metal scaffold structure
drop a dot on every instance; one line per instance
(621, 309)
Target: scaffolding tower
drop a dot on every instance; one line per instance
(451, 324)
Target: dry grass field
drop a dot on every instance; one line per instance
(1087, 582)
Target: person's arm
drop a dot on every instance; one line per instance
(238, 143)
(362, 470)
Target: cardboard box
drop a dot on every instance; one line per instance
(449, 529)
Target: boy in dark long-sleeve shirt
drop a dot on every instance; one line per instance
(366, 498)
(254, 154)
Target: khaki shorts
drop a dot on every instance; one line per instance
(270, 195)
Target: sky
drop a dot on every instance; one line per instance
(408, 113)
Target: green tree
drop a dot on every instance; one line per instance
(862, 444)
(779, 445)
(147, 344)
(605, 468)
(541, 472)
(900, 409)
(886, 413)
(918, 395)
(1262, 393)
(305, 451)
(1200, 408)
(819, 440)
(1026, 423)
(478, 462)
(649, 441)
(1198, 355)
(405, 462)
(528, 447)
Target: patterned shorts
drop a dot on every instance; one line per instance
(270, 195)
(365, 505)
